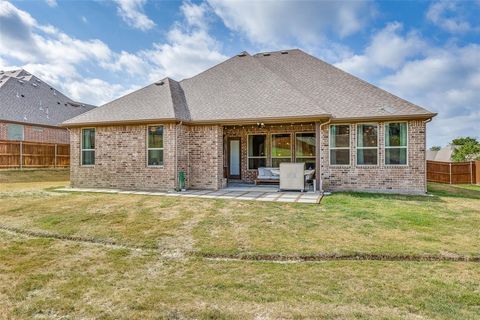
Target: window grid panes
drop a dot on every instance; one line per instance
(88, 147)
(155, 146)
(367, 144)
(396, 143)
(305, 149)
(281, 148)
(339, 144)
(257, 151)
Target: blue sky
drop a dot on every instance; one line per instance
(95, 51)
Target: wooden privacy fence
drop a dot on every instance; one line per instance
(24, 154)
(453, 172)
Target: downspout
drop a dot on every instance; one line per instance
(319, 134)
(176, 154)
(425, 152)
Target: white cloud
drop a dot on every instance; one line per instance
(97, 90)
(51, 3)
(84, 19)
(447, 81)
(388, 49)
(446, 15)
(62, 60)
(280, 22)
(132, 13)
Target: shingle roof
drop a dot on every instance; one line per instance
(25, 98)
(284, 84)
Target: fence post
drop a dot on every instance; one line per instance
(450, 173)
(471, 172)
(21, 155)
(55, 163)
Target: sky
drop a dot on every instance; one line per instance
(427, 52)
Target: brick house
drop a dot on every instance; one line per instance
(31, 110)
(253, 111)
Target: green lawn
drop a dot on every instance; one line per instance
(48, 278)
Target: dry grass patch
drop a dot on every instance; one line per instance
(48, 279)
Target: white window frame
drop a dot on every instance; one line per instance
(148, 148)
(292, 149)
(349, 148)
(81, 148)
(16, 124)
(385, 144)
(256, 157)
(314, 157)
(365, 148)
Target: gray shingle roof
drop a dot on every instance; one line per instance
(25, 98)
(282, 84)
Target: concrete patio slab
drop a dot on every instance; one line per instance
(244, 194)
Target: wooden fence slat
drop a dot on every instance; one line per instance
(28, 154)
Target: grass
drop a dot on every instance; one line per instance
(47, 278)
(34, 175)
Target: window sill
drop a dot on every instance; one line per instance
(87, 165)
(156, 167)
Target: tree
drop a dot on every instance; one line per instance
(463, 140)
(468, 149)
(435, 148)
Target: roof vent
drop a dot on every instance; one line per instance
(160, 83)
(22, 95)
(388, 109)
(284, 52)
(34, 84)
(242, 54)
(21, 81)
(266, 54)
(58, 102)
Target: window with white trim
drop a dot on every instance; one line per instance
(88, 147)
(155, 146)
(367, 144)
(396, 143)
(281, 148)
(339, 144)
(305, 148)
(257, 151)
(14, 131)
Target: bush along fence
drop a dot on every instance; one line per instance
(25, 154)
(453, 172)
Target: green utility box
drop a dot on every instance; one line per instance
(181, 181)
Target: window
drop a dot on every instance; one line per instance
(155, 146)
(281, 149)
(14, 131)
(340, 144)
(305, 149)
(367, 144)
(88, 146)
(396, 143)
(257, 151)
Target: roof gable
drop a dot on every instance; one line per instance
(25, 98)
(285, 84)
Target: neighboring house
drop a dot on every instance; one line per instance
(249, 112)
(31, 110)
(443, 155)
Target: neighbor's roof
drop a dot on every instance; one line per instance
(284, 84)
(444, 154)
(27, 99)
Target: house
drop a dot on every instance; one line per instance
(31, 110)
(443, 155)
(247, 112)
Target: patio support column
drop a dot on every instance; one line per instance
(317, 154)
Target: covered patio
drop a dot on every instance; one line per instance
(253, 153)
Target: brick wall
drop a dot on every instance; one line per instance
(205, 153)
(39, 134)
(120, 158)
(243, 131)
(386, 178)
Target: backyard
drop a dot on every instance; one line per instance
(356, 255)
